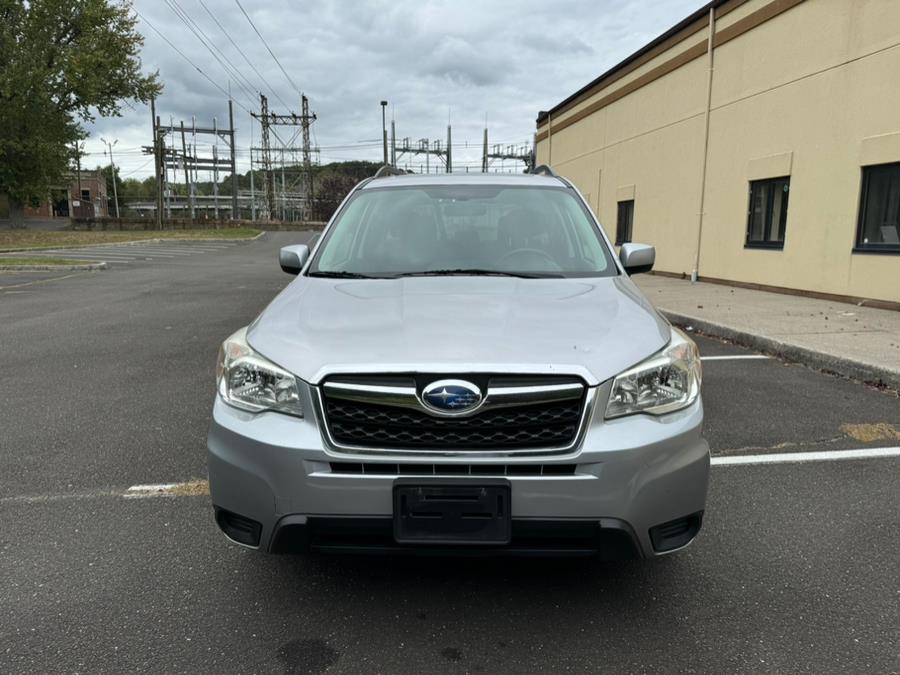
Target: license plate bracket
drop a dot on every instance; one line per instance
(442, 511)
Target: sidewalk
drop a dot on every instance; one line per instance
(858, 342)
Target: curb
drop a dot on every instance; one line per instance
(829, 363)
(53, 268)
(134, 242)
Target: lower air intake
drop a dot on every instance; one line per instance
(675, 533)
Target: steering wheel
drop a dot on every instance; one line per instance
(533, 252)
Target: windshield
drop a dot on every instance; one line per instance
(464, 229)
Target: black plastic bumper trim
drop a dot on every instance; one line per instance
(606, 539)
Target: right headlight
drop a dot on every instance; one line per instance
(667, 381)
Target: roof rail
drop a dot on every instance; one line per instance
(388, 170)
(544, 169)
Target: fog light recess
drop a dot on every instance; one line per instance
(238, 528)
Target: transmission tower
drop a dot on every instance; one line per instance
(268, 120)
(268, 173)
(523, 153)
(427, 147)
(306, 120)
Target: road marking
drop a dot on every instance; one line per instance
(735, 357)
(97, 258)
(44, 281)
(193, 488)
(816, 456)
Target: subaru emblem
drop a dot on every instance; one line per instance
(451, 397)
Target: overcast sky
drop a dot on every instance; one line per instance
(432, 61)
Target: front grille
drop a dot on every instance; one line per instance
(553, 423)
(401, 469)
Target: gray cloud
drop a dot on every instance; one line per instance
(506, 59)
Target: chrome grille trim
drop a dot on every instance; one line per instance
(556, 392)
(495, 397)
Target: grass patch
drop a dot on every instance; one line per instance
(23, 240)
(17, 262)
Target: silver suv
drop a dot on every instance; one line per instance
(461, 365)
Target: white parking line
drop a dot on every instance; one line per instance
(817, 456)
(734, 357)
(148, 490)
(99, 259)
(80, 253)
(167, 251)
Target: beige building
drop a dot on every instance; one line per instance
(757, 142)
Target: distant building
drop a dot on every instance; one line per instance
(84, 197)
(756, 142)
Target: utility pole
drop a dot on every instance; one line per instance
(235, 214)
(306, 119)
(449, 151)
(112, 166)
(156, 163)
(283, 194)
(384, 130)
(194, 177)
(393, 145)
(484, 153)
(252, 190)
(215, 153)
(184, 162)
(78, 166)
(162, 177)
(268, 176)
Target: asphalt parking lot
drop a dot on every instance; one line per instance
(108, 381)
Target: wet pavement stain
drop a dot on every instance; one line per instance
(306, 656)
(451, 654)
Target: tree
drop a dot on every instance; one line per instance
(332, 186)
(107, 173)
(333, 182)
(61, 63)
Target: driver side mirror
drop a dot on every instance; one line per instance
(637, 258)
(293, 258)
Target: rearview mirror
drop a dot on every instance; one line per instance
(637, 258)
(292, 258)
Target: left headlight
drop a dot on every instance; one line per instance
(667, 381)
(251, 382)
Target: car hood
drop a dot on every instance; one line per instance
(595, 328)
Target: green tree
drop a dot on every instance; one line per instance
(61, 63)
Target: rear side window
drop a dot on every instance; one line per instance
(403, 230)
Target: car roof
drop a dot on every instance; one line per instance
(510, 179)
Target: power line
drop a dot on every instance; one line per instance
(182, 54)
(229, 68)
(241, 52)
(293, 84)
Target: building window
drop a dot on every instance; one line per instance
(767, 215)
(879, 209)
(624, 222)
(86, 195)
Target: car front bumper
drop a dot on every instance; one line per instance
(631, 475)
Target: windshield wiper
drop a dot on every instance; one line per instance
(339, 275)
(477, 272)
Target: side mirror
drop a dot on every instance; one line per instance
(293, 258)
(637, 258)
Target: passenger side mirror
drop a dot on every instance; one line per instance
(293, 258)
(637, 258)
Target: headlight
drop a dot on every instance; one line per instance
(667, 381)
(248, 381)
